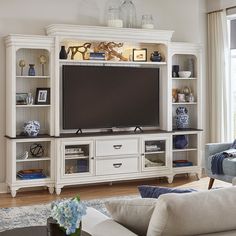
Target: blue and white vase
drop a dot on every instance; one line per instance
(31, 128)
(182, 118)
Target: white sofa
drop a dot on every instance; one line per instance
(200, 213)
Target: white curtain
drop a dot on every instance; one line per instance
(219, 82)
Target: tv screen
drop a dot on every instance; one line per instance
(107, 96)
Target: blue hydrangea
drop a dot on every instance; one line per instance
(68, 214)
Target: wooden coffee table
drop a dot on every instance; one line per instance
(31, 231)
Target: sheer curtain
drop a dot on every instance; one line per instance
(219, 82)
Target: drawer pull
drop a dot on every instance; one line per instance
(117, 165)
(117, 146)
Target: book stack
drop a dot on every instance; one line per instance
(100, 56)
(31, 174)
(152, 148)
(182, 163)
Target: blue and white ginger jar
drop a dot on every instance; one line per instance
(31, 128)
(182, 118)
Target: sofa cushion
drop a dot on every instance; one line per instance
(110, 228)
(194, 213)
(92, 218)
(155, 191)
(134, 214)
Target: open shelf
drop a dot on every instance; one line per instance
(185, 150)
(184, 103)
(34, 159)
(33, 77)
(76, 157)
(32, 106)
(179, 78)
(92, 62)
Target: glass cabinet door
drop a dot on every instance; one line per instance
(154, 155)
(77, 158)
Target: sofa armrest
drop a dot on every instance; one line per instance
(110, 227)
(213, 148)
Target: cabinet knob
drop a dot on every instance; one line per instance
(92, 158)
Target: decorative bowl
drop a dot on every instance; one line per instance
(184, 74)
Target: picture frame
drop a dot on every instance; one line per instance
(21, 98)
(42, 96)
(140, 55)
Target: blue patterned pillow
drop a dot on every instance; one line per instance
(155, 191)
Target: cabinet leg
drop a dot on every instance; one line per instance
(51, 190)
(58, 191)
(170, 179)
(13, 192)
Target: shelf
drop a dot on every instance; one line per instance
(179, 78)
(185, 150)
(34, 159)
(76, 157)
(186, 131)
(160, 152)
(86, 62)
(33, 77)
(39, 136)
(184, 169)
(184, 103)
(32, 106)
(34, 180)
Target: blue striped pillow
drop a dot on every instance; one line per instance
(147, 191)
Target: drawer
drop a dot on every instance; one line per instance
(116, 166)
(116, 147)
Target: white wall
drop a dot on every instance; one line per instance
(31, 17)
(213, 5)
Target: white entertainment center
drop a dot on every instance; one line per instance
(96, 156)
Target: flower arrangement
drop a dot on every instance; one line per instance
(68, 214)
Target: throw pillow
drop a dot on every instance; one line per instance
(134, 214)
(155, 191)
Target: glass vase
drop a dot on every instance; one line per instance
(128, 13)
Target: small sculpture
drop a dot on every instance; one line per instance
(21, 65)
(108, 48)
(82, 49)
(36, 150)
(42, 61)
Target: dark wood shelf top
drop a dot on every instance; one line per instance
(29, 137)
(186, 130)
(105, 133)
(95, 134)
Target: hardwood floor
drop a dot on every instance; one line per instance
(102, 191)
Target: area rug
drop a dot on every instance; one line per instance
(36, 215)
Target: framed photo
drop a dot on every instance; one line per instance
(42, 96)
(21, 98)
(140, 54)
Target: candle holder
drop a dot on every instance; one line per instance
(42, 61)
(21, 65)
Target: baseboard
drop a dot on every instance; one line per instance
(3, 188)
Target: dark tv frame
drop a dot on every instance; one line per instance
(136, 126)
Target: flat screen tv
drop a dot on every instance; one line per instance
(106, 97)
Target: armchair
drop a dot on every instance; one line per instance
(229, 164)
